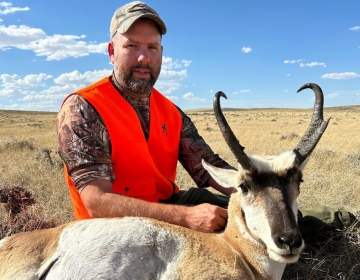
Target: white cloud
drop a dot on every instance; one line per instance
(171, 75)
(86, 78)
(191, 97)
(293, 61)
(242, 91)
(43, 105)
(14, 36)
(6, 8)
(49, 98)
(167, 87)
(41, 87)
(246, 49)
(332, 95)
(65, 84)
(15, 82)
(172, 98)
(34, 88)
(38, 86)
(186, 63)
(341, 76)
(313, 64)
(6, 92)
(355, 28)
(169, 63)
(56, 47)
(33, 80)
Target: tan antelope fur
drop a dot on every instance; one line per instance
(260, 238)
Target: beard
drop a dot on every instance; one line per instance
(140, 86)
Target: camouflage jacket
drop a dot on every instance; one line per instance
(84, 143)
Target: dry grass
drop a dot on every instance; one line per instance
(28, 149)
(331, 255)
(332, 174)
(17, 201)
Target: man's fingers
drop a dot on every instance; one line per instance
(223, 213)
(219, 219)
(208, 218)
(222, 223)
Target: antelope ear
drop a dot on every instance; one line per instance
(225, 177)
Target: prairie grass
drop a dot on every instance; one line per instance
(28, 146)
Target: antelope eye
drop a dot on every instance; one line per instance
(244, 188)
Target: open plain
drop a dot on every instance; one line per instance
(28, 147)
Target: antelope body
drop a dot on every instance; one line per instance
(260, 238)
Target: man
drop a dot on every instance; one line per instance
(120, 139)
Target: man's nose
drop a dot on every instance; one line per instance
(144, 57)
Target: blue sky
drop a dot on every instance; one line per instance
(257, 52)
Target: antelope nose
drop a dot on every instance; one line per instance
(291, 241)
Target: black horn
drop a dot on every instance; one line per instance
(316, 128)
(229, 136)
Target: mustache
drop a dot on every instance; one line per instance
(142, 66)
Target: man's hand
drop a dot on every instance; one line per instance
(101, 202)
(206, 217)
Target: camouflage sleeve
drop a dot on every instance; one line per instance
(83, 142)
(193, 149)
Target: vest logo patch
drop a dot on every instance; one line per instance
(164, 130)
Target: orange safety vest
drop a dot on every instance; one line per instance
(143, 169)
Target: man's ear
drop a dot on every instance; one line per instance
(111, 52)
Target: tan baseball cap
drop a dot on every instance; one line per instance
(126, 15)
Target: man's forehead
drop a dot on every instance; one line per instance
(140, 38)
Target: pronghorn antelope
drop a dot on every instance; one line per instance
(261, 236)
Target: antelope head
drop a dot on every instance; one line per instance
(264, 208)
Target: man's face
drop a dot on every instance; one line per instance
(137, 56)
